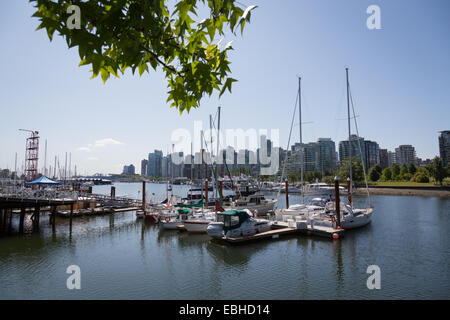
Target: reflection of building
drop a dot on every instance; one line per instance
(405, 154)
(444, 147)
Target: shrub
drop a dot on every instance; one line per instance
(420, 177)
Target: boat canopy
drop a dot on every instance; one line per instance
(43, 180)
(232, 219)
(183, 211)
(194, 205)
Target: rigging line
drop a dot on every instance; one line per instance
(360, 149)
(287, 148)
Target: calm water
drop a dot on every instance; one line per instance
(124, 258)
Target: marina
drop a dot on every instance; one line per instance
(171, 264)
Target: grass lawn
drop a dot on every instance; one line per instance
(402, 184)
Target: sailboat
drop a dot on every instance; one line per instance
(298, 209)
(351, 217)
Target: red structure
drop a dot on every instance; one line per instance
(31, 155)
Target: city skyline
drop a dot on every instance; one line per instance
(107, 126)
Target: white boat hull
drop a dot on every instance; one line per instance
(171, 225)
(196, 226)
(357, 221)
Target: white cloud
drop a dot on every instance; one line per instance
(105, 142)
(92, 158)
(99, 144)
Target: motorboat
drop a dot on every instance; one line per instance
(255, 203)
(236, 224)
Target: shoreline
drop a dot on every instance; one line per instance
(392, 191)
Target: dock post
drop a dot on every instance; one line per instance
(349, 194)
(221, 191)
(286, 185)
(37, 212)
(1, 219)
(143, 195)
(113, 192)
(70, 218)
(53, 218)
(22, 218)
(337, 201)
(206, 192)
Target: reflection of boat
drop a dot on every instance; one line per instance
(255, 203)
(235, 224)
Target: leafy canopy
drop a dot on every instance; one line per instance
(141, 34)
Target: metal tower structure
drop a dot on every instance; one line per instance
(31, 155)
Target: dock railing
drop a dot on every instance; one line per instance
(26, 194)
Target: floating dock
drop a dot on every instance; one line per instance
(281, 229)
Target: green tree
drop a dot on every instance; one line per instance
(141, 34)
(403, 172)
(386, 174)
(378, 168)
(374, 175)
(357, 170)
(395, 170)
(412, 168)
(5, 173)
(437, 170)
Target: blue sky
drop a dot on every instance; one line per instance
(400, 79)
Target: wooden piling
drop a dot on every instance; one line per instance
(221, 191)
(70, 217)
(113, 192)
(1, 220)
(286, 185)
(22, 218)
(337, 202)
(53, 218)
(206, 192)
(349, 193)
(37, 213)
(143, 195)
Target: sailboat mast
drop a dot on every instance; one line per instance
(302, 169)
(349, 133)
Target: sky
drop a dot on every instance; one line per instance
(399, 78)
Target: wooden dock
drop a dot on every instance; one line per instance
(281, 229)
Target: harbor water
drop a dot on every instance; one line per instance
(121, 257)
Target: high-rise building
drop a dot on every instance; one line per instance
(327, 154)
(154, 166)
(384, 160)
(391, 158)
(405, 154)
(128, 169)
(144, 163)
(317, 156)
(444, 147)
(372, 154)
(344, 148)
